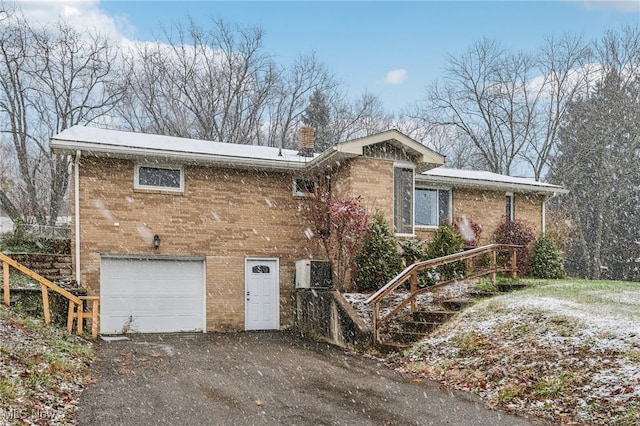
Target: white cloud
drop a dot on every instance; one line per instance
(398, 76)
(624, 6)
(80, 14)
(70, 11)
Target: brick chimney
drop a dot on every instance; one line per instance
(306, 143)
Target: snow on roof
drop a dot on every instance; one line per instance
(115, 142)
(481, 178)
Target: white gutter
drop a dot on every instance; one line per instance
(59, 146)
(486, 184)
(76, 195)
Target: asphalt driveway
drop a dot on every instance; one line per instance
(262, 378)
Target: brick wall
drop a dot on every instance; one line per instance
(487, 208)
(228, 215)
(225, 215)
(370, 178)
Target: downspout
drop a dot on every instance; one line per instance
(544, 211)
(76, 206)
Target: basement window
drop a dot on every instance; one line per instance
(165, 178)
(304, 187)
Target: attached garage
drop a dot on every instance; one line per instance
(151, 295)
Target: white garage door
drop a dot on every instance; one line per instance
(151, 295)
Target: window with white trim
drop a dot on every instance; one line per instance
(403, 200)
(509, 207)
(433, 206)
(164, 178)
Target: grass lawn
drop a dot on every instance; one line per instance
(565, 351)
(42, 371)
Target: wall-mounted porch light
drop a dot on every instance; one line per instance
(156, 241)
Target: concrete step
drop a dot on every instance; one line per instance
(481, 294)
(505, 288)
(419, 326)
(433, 316)
(456, 304)
(407, 336)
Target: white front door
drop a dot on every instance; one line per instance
(262, 295)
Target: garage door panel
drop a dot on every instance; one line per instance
(151, 295)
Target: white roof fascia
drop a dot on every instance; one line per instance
(500, 185)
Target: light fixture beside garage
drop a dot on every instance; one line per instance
(156, 241)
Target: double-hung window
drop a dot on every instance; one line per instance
(403, 200)
(163, 178)
(433, 206)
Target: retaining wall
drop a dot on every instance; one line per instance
(326, 315)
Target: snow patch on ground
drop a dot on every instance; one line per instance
(514, 349)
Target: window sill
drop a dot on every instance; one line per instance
(158, 191)
(426, 227)
(405, 235)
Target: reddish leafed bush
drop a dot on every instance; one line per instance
(517, 232)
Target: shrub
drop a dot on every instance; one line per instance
(19, 241)
(447, 240)
(516, 232)
(340, 226)
(412, 251)
(379, 261)
(546, 261)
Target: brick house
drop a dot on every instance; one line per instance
(178, 234)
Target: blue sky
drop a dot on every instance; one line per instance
(363, 41)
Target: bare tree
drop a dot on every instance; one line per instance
(14, 109)
(619, 52)
(292, 95)
(212, 83)
(364, 116)
(563, 63)
(55, 78)
(484, 94)
(510, 105)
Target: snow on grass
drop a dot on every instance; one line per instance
(563, 351)
(42, 370)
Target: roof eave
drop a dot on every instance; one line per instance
(485, 184)
(70, 147)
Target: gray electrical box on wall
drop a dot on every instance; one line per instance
(311, 273)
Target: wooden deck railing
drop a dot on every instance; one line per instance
(411, 274)
(76, 303)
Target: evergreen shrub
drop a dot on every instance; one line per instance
(378, 261)
(546, 261)
(447, 240)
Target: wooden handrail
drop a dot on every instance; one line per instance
(411, 273)
(75, 302)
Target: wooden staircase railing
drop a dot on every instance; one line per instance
(76, 303)
(411, 273)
